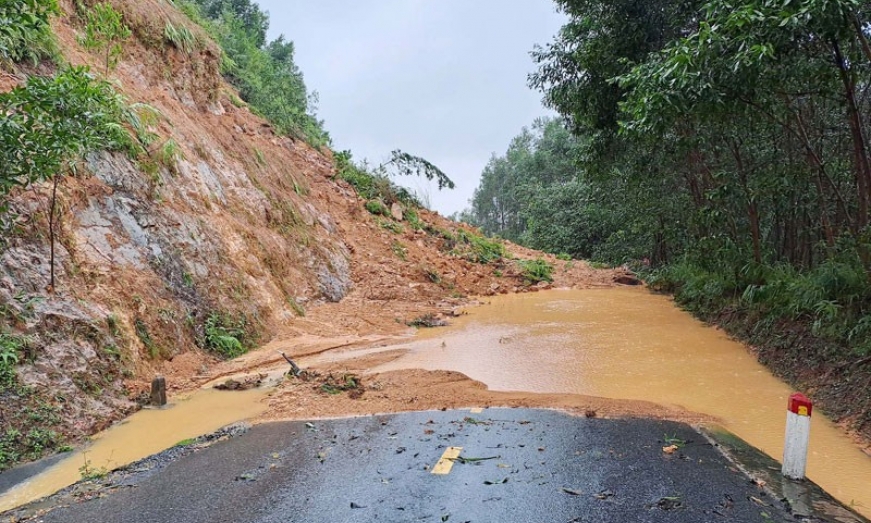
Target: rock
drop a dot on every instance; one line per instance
(249, 382)
(627, 279)
(396, 212)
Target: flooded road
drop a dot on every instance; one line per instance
(631, 344)
(145, 433)
(616, 343)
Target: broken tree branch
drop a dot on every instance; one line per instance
(293, 366)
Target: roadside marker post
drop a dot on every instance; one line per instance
(798, 429)
(158, 391)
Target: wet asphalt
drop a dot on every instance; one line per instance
(518, 465)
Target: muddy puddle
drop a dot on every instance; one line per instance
(630, 344)
(145, 433)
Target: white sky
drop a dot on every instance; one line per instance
(441, 79)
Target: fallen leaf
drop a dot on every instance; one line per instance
(605, 494)
(670, 449)
(496, 482)
(572, 491)
(758, 501)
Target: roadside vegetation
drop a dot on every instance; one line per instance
(723, 150)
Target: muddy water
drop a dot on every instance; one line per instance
(630, 344)
(143, 434)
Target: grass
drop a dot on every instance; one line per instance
(296, 306)
(181, 38)
(11, 346)
(88, 472)
(144, 336)
(470, 246)
(377, 208)
(399, 250)
(391, 226)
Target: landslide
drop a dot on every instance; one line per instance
(246, 228)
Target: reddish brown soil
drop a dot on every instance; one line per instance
(412, 390)
(398, 275)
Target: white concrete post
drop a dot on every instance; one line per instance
(798, 429)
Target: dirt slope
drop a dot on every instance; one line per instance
(247, 226)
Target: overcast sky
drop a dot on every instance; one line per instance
(441, 79)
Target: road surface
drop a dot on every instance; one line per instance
(516, 465)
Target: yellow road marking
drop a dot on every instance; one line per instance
(476, 410)
(446, 462)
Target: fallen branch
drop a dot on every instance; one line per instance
(293, 366)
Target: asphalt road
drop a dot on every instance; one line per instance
(518, 466)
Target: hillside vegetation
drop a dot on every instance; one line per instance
(724, 149)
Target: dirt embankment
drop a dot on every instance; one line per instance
(243, 229)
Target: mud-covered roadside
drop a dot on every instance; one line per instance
(416, 389)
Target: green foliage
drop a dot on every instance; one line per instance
(372, 185)
(296, 306)
(50, 123)
(89, 472)
(407, 165)
(428, 321)
(476, 248)
(11, 347)
(15, 445)
(25, 33)
(169, 154)
(391, 226)
(225, 335)
(181, 38)
(377, 208)
(834, 299)
(535, 271)
(144, 336)
(264, 72)
(413, 220)
(105, 33)
(399, 250)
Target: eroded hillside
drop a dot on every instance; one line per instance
(239, 234)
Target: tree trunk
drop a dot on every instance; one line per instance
(862, 165)
(51, 218)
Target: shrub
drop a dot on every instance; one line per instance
(475, 248)
(377, 208)
(226, 335)
(104, 33)
(535, 271)
(49, 124)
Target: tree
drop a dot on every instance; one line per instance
(105, 33)
(49, 124)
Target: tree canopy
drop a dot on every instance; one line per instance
(725, 142)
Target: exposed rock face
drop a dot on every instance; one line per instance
(145, 257)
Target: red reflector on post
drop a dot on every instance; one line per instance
(800, 404)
